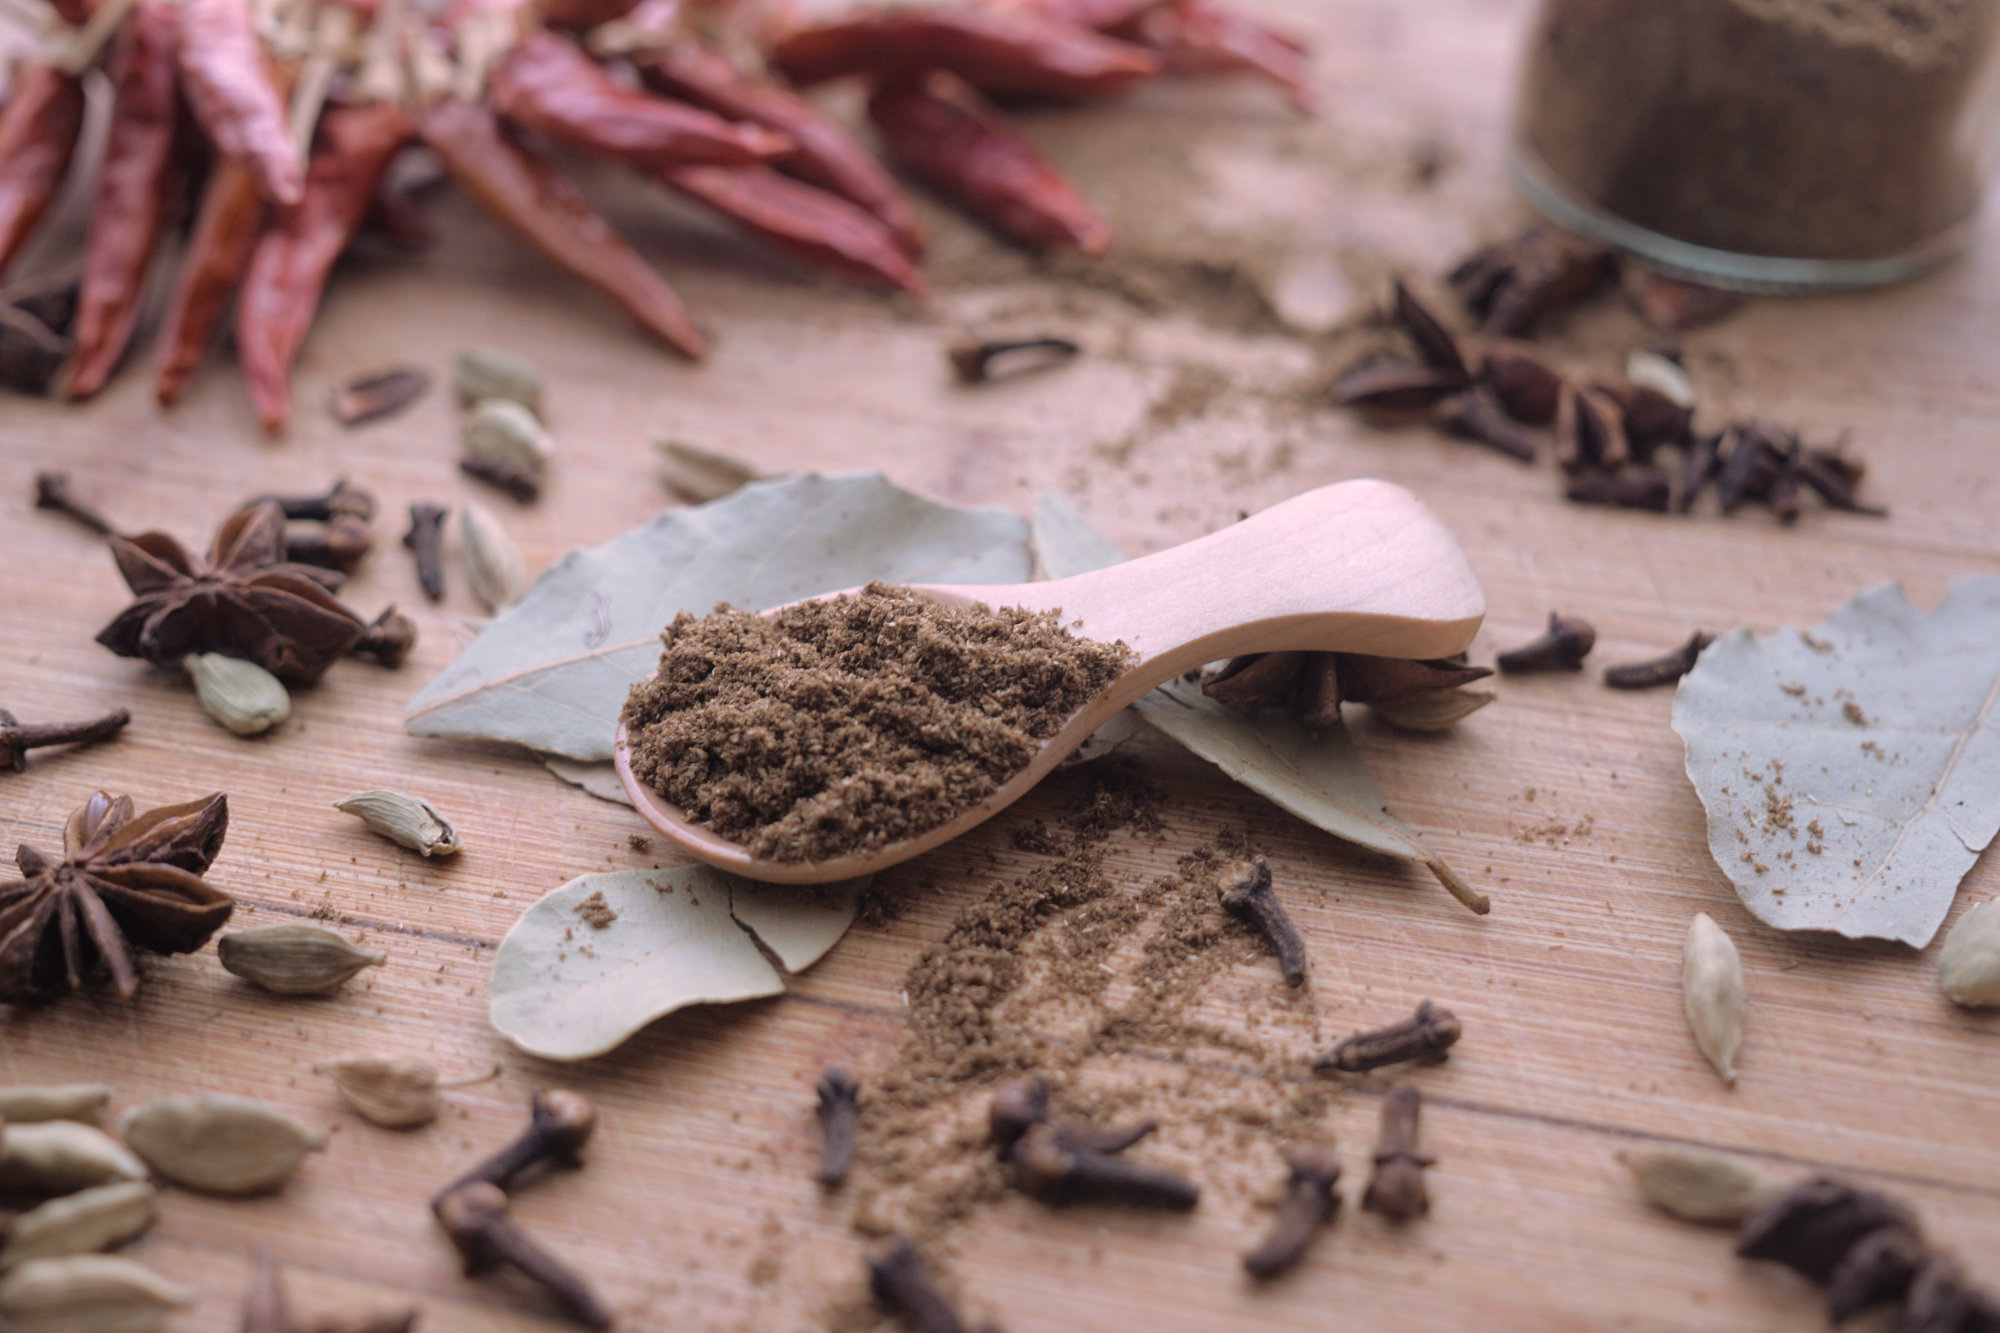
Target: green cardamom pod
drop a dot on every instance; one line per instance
(241, 695)
(294, 959)
(502, 431)
(493, 564)
(484, 372)
(698, 475)
(1969, 962)
(62, 1156)
(92, 1219)
(1697, 1185)
(1432, 712)
(1713, 994)
(400, 1094)
(63, 1101)
(407, 821)
(218, 1143)
(88, 1293)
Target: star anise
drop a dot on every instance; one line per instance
(245, 601)
(125, 880)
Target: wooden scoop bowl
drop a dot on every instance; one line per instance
(1360, 567)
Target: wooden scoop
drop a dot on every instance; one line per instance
(1360, 567)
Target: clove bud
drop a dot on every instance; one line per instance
(17, 737)
(1562, 647)
(1662, 670)
(1426, 1036)
(1056, 1170)
(1396, 1186)
(1310, 1205)
(1245, 891)
(839, 1108)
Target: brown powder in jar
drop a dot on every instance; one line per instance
(838, 726)
(1806, 129)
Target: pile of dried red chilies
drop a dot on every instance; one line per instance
(223, 94)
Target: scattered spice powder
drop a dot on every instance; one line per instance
(1104, 987)
(838, 726)
(595, 912)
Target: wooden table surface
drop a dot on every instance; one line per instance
(1246, 235)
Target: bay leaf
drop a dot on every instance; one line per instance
(600, 779)
(1314, 773)
(1852, 775)
(565, 989)
(552, 671)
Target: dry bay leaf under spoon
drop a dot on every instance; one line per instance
(1359, 567)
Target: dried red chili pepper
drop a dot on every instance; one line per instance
(1002, 51)
(218, 250)
(38, 129)
(577, 15)
(819, 227)
(546, 211)
(547, 86)
(936, 127)
(232, 95)
(133, 187)
(824, 153)
(288, 268)
(1099, 15)
(1194, 37)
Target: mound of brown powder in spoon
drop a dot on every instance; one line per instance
(836, 727)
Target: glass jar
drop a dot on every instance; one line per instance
(1767, 144)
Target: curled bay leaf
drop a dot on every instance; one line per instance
(552, 671)
(1852, 775)
(1314, 773)
(606, 954)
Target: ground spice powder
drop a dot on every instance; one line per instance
(838, 726)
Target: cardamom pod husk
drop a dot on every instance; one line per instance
(1697, 1185)
(407, 821)
(493, 564)
(1969, 962)
(698, 475)
(241, 695)
(500, 430)
(92, 1219)
(1713, 994)
(61, 1157)
(61, 1101)
(219, 1143)
(88, 1293)
(1433, 712)
(295, 959)
(484, 372)
(400, 1094)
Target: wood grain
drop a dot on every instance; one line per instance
(1567, 802)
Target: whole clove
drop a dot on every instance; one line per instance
(342, 543)
(1645, 488)
(1747, 466)
(1651, 418)
(17, 737)
(839, 1111)
(1426, 1036)
(475, 1216)
(1698, 466)
(1055, 1170)
(388, 639)
(1476, 414)
(426, 542)
(342, 499)
(1834, 479)
(56, 492)
(1022, 1103)
(1396, 1187)
(1879, 1269)
(1433, 341)
(379, 394)
(1590, 429)
(1256, 680)
(1310, 1205)
(561, 1123)
(1245, 891)
(1665, 669)
(904, 1286)
(1942, 1301)
(1562, 647)
(1514, 284)
(982, 360)
(1782, 494)
(520, 483)
(1813, 1226)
